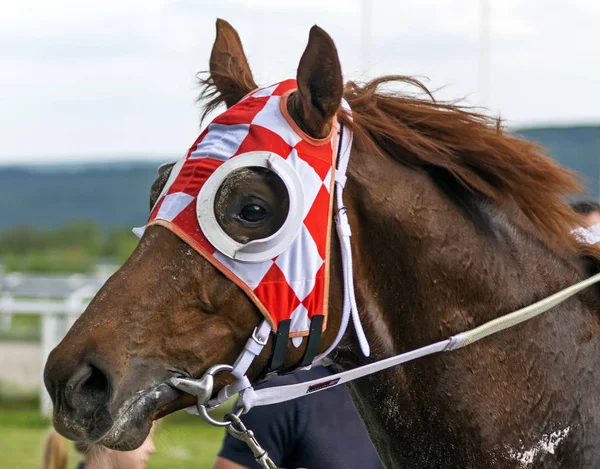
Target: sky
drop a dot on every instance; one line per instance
(115, 79)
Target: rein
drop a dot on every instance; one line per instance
(250, 398)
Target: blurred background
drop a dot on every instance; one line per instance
(95, 95)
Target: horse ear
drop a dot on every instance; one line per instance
(229, 69)
(320, 85)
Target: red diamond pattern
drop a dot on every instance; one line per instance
(277, 296)
(316, 220)
(314, 301)
(257, 124)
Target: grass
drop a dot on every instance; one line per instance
(183, 441)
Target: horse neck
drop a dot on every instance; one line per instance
(432, 259)
(426, 268)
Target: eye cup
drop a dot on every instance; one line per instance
(251, 208)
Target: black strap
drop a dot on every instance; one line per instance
(314, 339)
(339, 148)
(280, 344)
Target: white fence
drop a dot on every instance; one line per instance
(59, 300)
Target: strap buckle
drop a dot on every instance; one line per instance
(247, 436)
(259, 340)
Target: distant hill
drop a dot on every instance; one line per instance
(576, 148)
(116, 194)
(48, 196)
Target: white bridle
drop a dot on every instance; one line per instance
(260, 335)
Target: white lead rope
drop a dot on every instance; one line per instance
(252, 398)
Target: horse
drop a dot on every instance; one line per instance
(454, 222)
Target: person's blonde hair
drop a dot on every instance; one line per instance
(56, 453)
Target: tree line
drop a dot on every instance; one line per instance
(76, 246)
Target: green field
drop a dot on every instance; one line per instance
(182, 441)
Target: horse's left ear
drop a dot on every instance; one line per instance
(229, 69)
(320, 85)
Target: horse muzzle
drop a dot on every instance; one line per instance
(88, 408)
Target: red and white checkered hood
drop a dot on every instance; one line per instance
(293, 285)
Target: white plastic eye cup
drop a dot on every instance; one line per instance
(257, 250)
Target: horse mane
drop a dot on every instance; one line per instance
(473, 148)
(470, 146)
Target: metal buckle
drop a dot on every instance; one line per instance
(203, 389)
(247, 436)
(203, 412)
(259, 340)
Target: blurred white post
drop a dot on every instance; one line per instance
(12, 280)
(76, 303)
(6, 302)
(365, 34)
(484, 52)
(51, 336)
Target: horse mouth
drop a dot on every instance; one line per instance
(134, 421)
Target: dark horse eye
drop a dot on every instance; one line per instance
(253, 213)
(252, 203)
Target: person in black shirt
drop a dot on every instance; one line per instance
(318, 431)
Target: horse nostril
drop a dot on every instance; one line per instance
(96, 385)
(89, 387)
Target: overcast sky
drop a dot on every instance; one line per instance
(115, 78)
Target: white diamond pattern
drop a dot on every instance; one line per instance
(300, 263)
(250, 273)
(311, 182)
(221, 142)
(327, 180)
(299, 319)
(270, 117)
(265, 91)
(173, 205)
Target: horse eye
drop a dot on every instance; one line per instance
(253, 213)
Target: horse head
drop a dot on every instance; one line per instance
(168, 312)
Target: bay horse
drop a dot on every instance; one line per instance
(454, 222)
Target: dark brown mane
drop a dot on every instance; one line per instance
(473, 148)
(470, 146)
